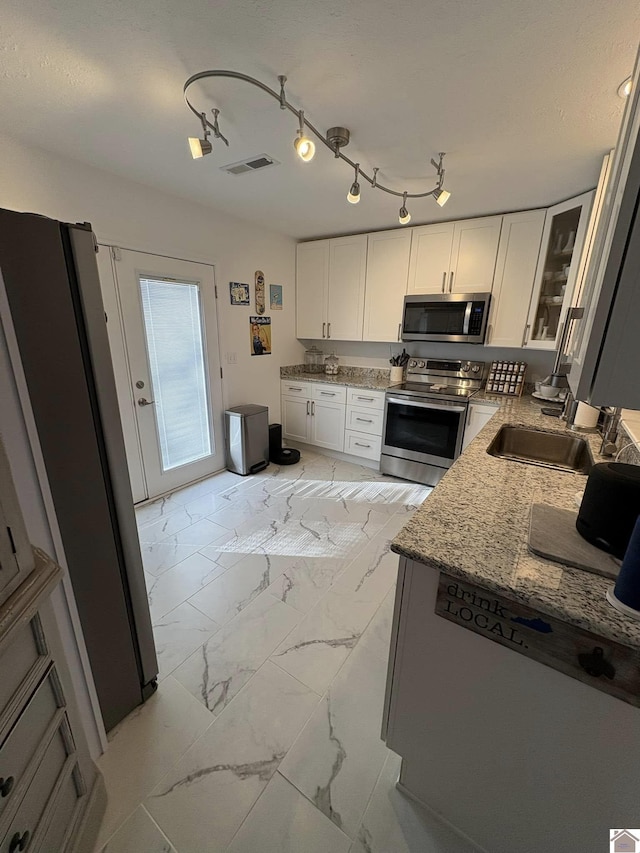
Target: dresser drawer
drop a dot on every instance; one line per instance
(295, 389)
(21, 744)
(360, 444)
(329, 393)
(365, 420)
(30, 811)
(60, 817)
(365, 399)
(22, 663)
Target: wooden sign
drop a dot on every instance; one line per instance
(601, 663)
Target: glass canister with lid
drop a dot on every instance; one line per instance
(331, 364)
(313, 360)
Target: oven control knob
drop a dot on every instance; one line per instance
(413, 363)
(420, 364)
(465, 367)
(475, 368)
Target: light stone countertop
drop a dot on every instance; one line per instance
(475, 524)
(352, 377)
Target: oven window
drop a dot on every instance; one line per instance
(434, 318)
(421, 430)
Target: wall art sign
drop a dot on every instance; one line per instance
(260, 335)
(260, 297)
(275, 297)
(239, 293)
(596, 661)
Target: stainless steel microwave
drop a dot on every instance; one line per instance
(455, 317)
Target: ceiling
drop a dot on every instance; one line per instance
(520, 94)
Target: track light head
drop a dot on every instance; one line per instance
(199, 147)
(305, 147)
(441, 196)
(353, 196)
(404, 217)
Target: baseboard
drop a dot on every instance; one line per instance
(440, 819)
(85, 835)
(334, 454)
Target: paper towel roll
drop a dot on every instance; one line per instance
(586, 416)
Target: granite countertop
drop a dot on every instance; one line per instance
(475, 525)
(372, 379)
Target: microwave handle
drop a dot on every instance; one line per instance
(406, 402)
(467, 319)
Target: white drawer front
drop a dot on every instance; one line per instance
(329, 393)
(295, 389)
(365, 399)
(361, 444)
(365, 420)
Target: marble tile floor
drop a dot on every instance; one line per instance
(271, 598)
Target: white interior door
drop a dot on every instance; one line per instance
(170, 328)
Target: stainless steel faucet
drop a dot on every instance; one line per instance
(610, 432)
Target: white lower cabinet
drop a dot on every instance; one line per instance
(334, 417)
(478, 415)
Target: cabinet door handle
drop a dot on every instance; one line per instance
(6, 786)
(444, 280)
(525, 337)
(451, 282)
(19, 842)
(328, 330)
(307, 407)
(365, 420)
(313, 408)
(324, 325)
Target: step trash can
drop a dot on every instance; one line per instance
(246, 434)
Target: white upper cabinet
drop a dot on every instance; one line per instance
(347, 266)
(330, 280)
(387, 274)
(473, 255)
(518, 252)
(455, 257)
(312, 285)
(430, 258)
(560, 253)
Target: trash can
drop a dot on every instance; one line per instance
(246, 433)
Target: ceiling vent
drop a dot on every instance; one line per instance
(251, 164)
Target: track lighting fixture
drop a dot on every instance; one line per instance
(335, 139)
(441, 196)
(353, 196)
(304, 146)
(624, 89)
(404, 217)
(200, 147)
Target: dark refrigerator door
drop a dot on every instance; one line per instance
(82, 445)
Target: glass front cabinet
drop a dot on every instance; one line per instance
(563, 241)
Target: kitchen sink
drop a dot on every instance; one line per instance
(548, 449)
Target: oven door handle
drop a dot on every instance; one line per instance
(407, 402)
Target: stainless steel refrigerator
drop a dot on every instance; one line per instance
(51, 279)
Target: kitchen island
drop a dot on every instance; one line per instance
(514, 754)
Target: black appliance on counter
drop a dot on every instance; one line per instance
(610, 506)
(50, 276)
(425, 417)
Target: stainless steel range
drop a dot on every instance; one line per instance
(424, 418)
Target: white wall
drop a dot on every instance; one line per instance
(135, 216)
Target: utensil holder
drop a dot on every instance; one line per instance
(397, 374)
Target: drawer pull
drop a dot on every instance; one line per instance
(365, 420)
(359, 444)
(19, 842)
(368, 399)
(293, 388)
(595, 663)
(328, 393)
(6, 785)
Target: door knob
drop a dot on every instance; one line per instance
(142, 401)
